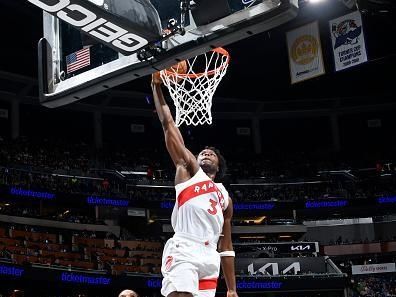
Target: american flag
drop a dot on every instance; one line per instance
(78, 60)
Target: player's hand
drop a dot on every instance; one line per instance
(232, 294)
(156, 78)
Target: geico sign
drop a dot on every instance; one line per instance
(87, 21)
(295, 266)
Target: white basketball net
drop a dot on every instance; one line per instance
(192, 92)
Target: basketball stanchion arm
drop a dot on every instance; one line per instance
(161, 51)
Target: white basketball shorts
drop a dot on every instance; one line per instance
(190, 265)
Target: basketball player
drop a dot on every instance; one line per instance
(201, 217)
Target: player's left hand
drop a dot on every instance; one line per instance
(232, 294)
(156, 78)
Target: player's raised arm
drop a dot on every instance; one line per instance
(180, 155)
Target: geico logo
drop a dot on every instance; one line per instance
(50, 5)
(86, 20)
(97, 2)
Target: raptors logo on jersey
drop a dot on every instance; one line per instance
(199, 207)
(168, 263)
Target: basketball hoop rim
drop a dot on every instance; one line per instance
(219, 50)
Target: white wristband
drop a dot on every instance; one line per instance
(227, 254)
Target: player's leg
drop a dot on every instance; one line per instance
(181, 281)
(179, 270)
(208, 272)
(207, 291)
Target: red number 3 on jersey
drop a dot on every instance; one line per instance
(213, 209)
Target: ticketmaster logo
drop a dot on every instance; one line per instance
(323, 204)
(383, 200)
(237, 206)
(105, 201)
(154, 283)
(29, 193)
(167, 204)
(9, 270)
(83, 279)
(252, 206)
(258, 285)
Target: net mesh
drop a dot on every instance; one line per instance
(192, 90)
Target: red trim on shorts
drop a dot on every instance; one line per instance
(196, 190)
(208, 284)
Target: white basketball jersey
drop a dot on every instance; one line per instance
(199, 207)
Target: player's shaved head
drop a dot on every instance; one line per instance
(128, 293)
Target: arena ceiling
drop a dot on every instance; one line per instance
(258, 79)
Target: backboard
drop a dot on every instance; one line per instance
(91, 46)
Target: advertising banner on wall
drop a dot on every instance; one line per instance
(277, 248)
(54, 280)
(281, 266)
(373, 268)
